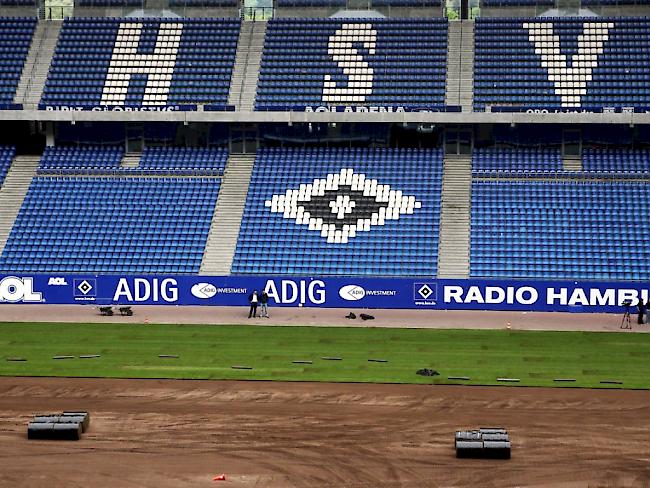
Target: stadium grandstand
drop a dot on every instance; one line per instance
(383, 243)
(506, 139)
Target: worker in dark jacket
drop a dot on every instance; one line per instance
(264, 304)
(253, 299)
(641, 308)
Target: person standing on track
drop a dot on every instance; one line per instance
(264, 304)
(641, 308)
(253, 299)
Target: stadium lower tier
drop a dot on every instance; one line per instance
(333, 211)
(563, 230)
(129, 225)
(6, 155)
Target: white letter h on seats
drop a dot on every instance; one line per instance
(158, 66)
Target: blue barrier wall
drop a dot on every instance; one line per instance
(520, 295)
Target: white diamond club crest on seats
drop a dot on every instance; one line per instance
(342, 204)
(360, 75)
(158, 66)
(570, 82)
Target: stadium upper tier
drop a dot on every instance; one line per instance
(17, 3)
(15, 39)
(562, 63)
(593, 64)
(342, 212)
(551, 3)
(390, 62)
(142, 62)
(204, 3)
(344, 3)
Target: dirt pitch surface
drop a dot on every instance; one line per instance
(325, 317)
(165, 433)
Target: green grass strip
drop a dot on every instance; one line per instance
(209, 351)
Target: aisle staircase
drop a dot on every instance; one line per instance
(226, 221)
(453, 248)
(13, 191)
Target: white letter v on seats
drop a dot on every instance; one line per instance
(570, 83)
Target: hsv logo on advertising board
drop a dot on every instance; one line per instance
(425, 293)
(85, 289)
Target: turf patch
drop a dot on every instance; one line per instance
(209, 352)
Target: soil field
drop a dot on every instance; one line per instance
(180, 433)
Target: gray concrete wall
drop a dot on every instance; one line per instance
(179, 11)
(305, 13)
(320, 12)
(19, 11)
(340, 117)
(608, 11)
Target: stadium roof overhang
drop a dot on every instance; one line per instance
(329, 117)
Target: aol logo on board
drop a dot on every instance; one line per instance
(14, 290)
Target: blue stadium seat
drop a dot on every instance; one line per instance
(551, 3)
(204, 3)
(112, 225)
(66, 159)
(616, 162)
(189, 160)
(18, 3)
(312, 3)
(495, 161)
(106, 160)
(109, 3)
